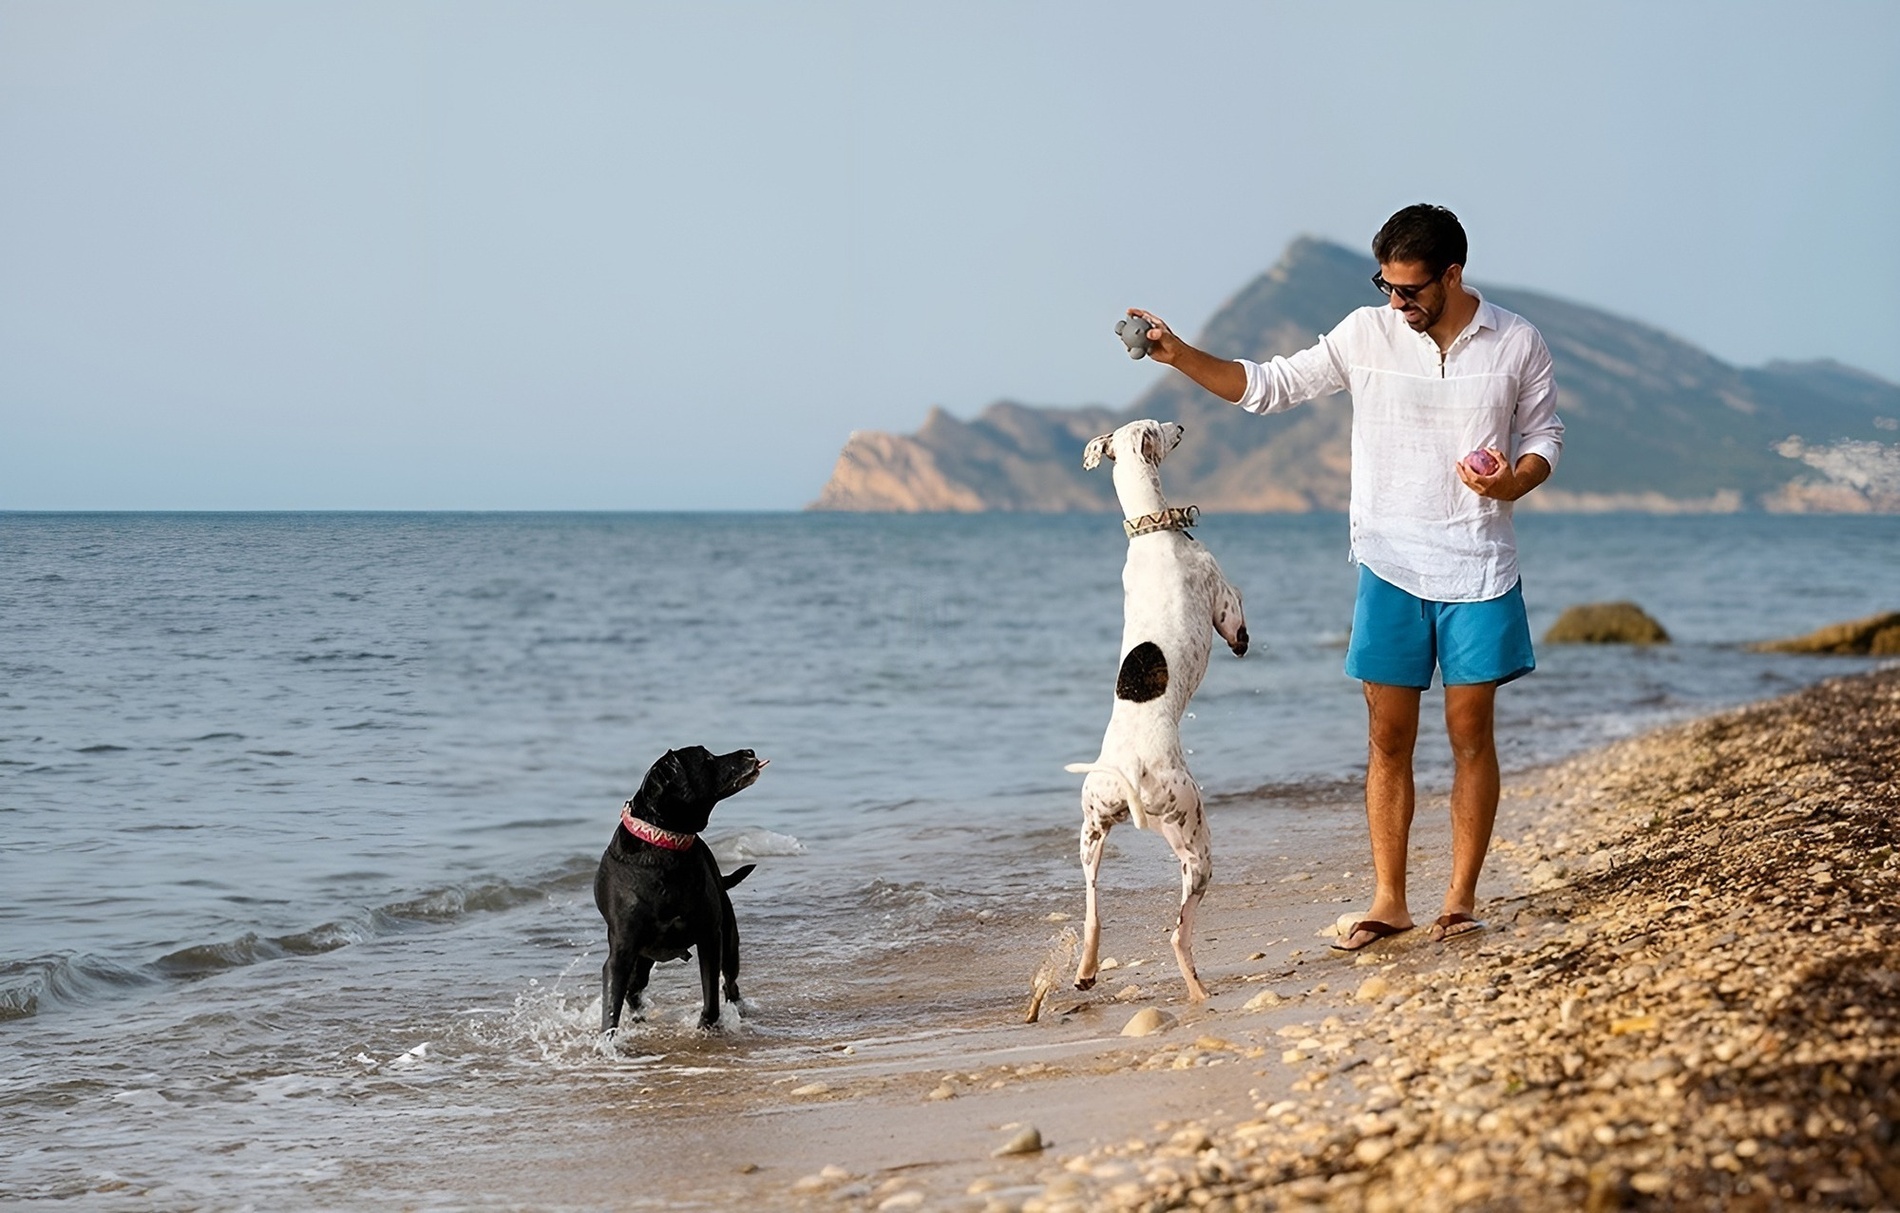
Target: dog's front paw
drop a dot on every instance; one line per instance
(1085, 983)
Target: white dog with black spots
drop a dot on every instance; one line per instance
(1174, 599)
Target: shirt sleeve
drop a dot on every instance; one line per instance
(1280, 383)
(1539, 431)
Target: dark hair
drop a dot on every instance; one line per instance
(1423, 232)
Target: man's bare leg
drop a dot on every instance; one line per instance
(1469, 712)
(1392, 733)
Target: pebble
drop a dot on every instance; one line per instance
(1372, 989)
(942, 1092)
(1027, 1140)
(829, 1177)
(812, 1088)
(1147, 1021)
(1371, 1151)
(1263, 1000)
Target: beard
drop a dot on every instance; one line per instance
(1421, 316)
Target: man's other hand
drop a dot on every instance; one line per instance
(1507, 483)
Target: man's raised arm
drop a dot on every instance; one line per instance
(1258, 387)
(1221, 376)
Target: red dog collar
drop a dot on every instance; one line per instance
(646, 831)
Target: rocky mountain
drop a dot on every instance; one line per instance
(1653, 423)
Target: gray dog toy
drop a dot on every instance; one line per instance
(1133, 331)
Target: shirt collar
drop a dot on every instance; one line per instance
(1486, 317)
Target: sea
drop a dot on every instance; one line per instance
(299, 813)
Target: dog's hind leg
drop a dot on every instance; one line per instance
(1185, 828)
(1095, 829)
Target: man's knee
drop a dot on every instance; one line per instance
(1469, 729)
(1391, 721)
(1392, 740)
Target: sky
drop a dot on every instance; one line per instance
(659, 256)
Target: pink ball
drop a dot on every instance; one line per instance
(1481, 462)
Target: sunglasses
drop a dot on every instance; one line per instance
(1407, 293)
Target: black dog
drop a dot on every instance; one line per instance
(659, 887)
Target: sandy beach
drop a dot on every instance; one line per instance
(1688, 997)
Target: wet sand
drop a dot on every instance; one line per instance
(1688, 997)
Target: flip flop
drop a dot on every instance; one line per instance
(1370, 926)
(1451, 926)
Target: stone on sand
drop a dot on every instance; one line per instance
(1027, 1140)
(1147, 1021)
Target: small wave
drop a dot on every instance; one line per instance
(251, 948)
(220, 737)
(442, 905)
(27, 985)
(912, 899)
(63, 978)
(752, 844)
(101, 749)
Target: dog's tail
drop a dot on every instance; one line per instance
(726, 882)
(1133, 788)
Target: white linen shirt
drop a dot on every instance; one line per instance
(1415, 414)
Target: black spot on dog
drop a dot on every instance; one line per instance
(1144, 674)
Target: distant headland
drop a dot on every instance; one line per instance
(1655, 424)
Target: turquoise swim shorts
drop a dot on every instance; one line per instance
(1397, 638)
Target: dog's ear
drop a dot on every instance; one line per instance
(1158, 438)
(666, 781)
(1097, 447)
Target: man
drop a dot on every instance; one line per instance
(1435, 374)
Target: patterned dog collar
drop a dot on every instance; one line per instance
(1174, 518)
(646, 831)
